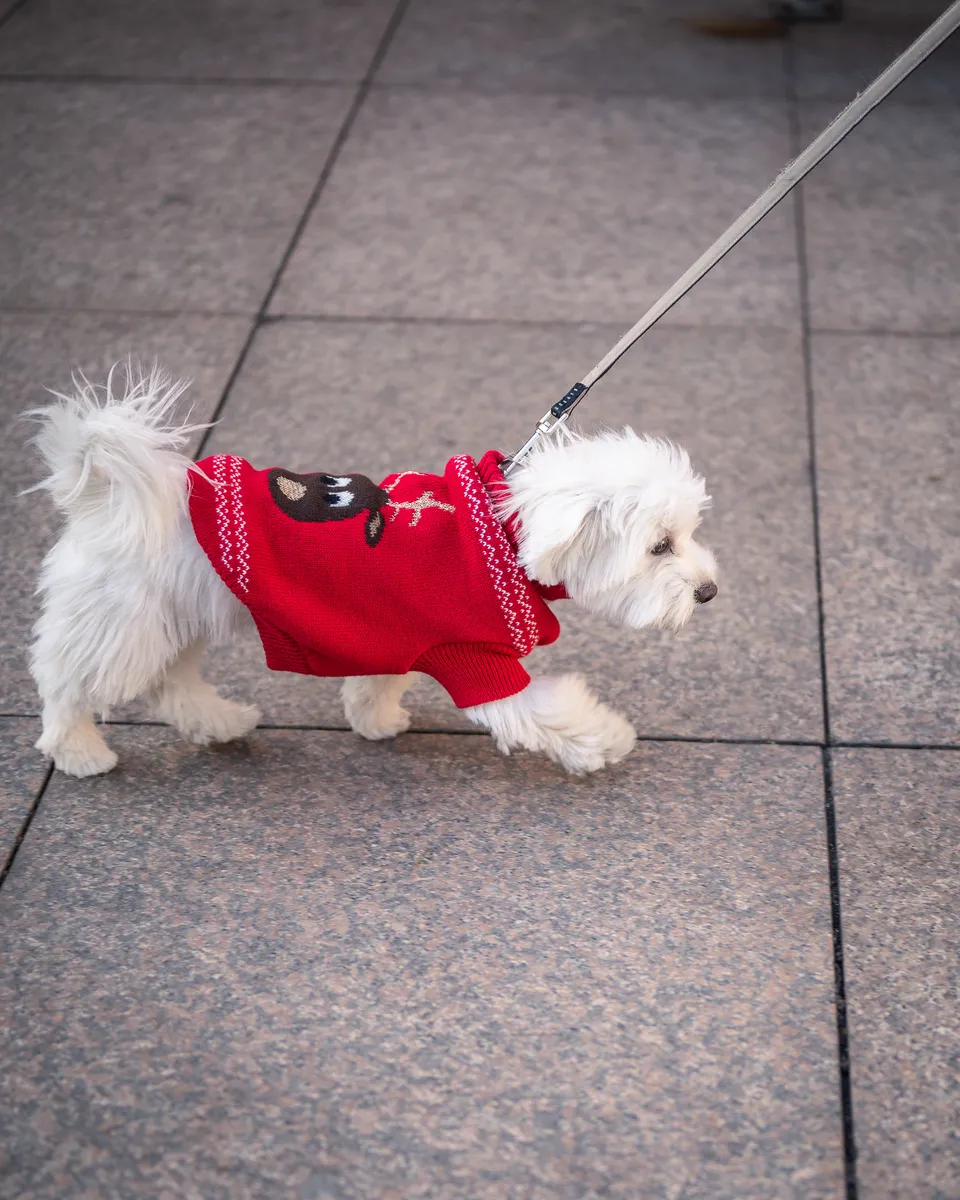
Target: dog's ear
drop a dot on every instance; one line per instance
(581, 506)
(592, 535)
(567, 530)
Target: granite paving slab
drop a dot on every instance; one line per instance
(888, 421)
(834, 62)
(454, 204)
(22, 772)
(38, 351)
(894, 12)
(899, 841)
(578, 45)
(882, 222)
(308, 967)
(154, 197)
(379, 397)
(299, 39)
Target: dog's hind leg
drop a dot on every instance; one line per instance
(184, 699)
(72, 740)
(372, 705)
(69, 735)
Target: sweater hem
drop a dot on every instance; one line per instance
(474, 673)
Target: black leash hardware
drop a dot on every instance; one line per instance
(551, 420)
(569, 400)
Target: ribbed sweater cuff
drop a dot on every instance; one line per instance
(474, 673)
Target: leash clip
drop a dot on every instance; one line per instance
(552, 419)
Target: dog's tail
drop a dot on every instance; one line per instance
(114, 456)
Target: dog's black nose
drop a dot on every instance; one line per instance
(705, 592)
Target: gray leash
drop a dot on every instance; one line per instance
(785, 182)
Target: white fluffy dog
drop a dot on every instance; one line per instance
(130, 599)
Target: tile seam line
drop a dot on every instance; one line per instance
(293, 318)
(645, 738)
(848, 1131)
(840, 984)
(283, 318)
(296, 727)
(437, 87)
(442, 88)
(716, 96)
(290, 318)
(20, 310)
(906, 334)
(87, 79)
(12, 11)
(432, 87)
(333, 155)
(803, 284)
(165, 314)
(25, 826)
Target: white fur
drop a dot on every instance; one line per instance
(562, 719)
(130, 600)
(371, 704)
(127, 590)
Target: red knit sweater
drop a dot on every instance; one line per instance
(347, 577)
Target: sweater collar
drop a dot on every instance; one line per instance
(490, 470)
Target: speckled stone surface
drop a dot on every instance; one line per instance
(888, 419)
(22, 772)
(38, 351)
(310, 968)
(602, 46)
(899, 840)
(191, 39)
(149, 197)
(375, 398)
(882, 224)
(833, 62)
(893, 11)
(546, 207)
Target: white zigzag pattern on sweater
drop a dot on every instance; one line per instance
(239, 527)
(507, 581)
(231, 522)
(223, 513)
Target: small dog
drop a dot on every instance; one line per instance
(450, 575)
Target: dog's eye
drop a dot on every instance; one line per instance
(664, 546)
(339, 499)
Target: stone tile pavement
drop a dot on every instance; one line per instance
(377, 233)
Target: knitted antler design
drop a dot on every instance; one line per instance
(416, 507)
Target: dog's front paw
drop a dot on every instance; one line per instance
(372, 707)
(575, 729)
(562, 719)
(607, 739)
(380, 721)
(81, 753)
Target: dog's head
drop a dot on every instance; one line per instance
(612, 517)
